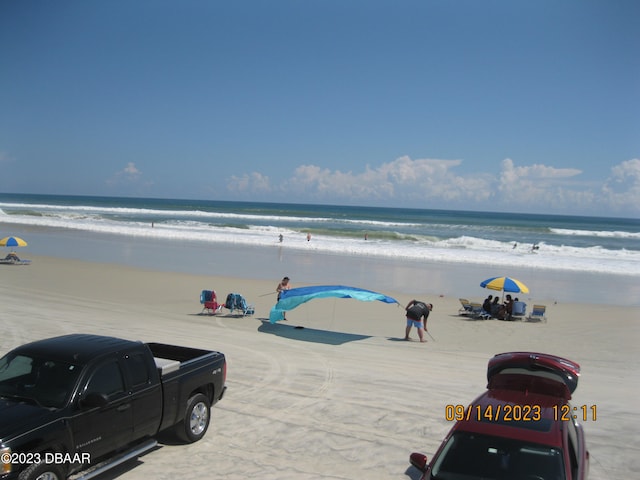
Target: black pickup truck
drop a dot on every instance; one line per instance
(80, 404)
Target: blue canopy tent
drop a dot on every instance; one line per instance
(290, 299)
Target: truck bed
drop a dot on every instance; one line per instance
(183, 372)
(169, 358)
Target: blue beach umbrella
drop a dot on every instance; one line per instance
(505, 284)
(12, 242)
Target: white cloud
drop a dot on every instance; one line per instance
(539, 171)
(131, 171)
(317, 183)
(438, 183)
(622, 188)
(253, 183)
(127, 178)
(538, 185)
(558, 190)
(512, 177)
(403, 179)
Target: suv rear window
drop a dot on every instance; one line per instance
(542, 425)
(469, 456)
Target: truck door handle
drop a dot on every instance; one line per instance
(123, 407)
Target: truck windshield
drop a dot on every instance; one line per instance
(37, 380)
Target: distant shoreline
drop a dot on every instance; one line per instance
(428, 277)
(590, 245)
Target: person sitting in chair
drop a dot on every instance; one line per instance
(508, 307)
(496, 307)
(486, 306)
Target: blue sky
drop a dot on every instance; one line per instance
(525, 106)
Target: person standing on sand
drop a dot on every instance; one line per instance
(417, 313)
(283, 285)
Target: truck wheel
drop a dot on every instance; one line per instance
(42, 471)
(196, 419)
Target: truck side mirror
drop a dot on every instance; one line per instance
(94, 399)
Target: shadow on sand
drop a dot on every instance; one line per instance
(304, 334)
(469, 318)
(219, 315)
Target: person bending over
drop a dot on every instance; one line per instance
(417, 314)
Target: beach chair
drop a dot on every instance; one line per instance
(478, 312)
(210, 302)
(237, 303)
(518, 311)
(465, 308)
(13, 259)
(538, 314)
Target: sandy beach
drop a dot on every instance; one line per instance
(344, 397)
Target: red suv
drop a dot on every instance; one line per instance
(522, 427)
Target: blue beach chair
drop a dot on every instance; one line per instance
(237, 303)
(465, 308)
(538, 314)
(519, 310)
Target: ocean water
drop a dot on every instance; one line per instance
(539, 246)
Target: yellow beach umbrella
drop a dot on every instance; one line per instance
(505, 284)
(12, 242)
